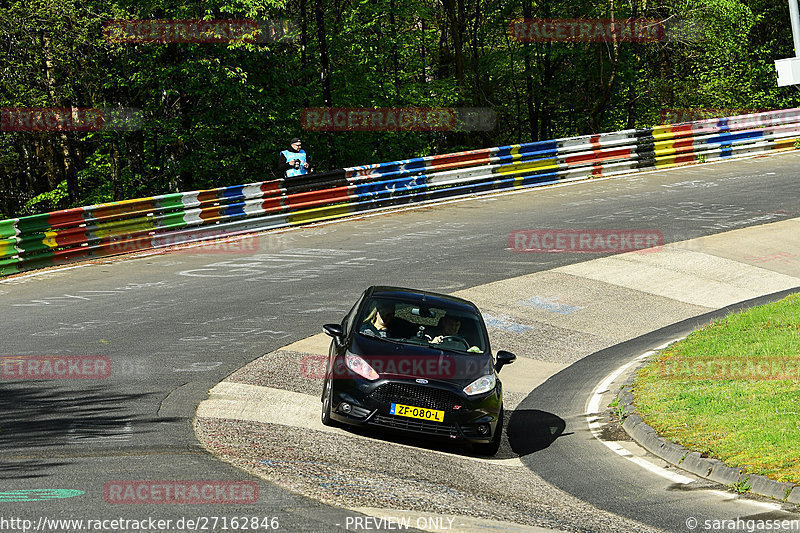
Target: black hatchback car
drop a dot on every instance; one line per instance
(415, 361)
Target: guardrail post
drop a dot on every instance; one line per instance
(789, 69)
(794, 16)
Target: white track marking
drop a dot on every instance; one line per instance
(730, 497)
(268, 405)
(595, 426)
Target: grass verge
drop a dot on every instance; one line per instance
(732, 390)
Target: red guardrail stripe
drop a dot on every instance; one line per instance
(271, 204)
(339, 194)
(126, 208)
(71, 236)
(66, 217)
(600, 155)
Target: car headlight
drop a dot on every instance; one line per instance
(360, 367)
(481, 385)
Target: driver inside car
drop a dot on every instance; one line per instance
(449, 326)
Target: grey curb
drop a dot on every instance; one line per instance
(697, 464)
(727, 475)
(767, 487)
(711, 469)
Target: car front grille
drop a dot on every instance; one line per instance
(416, 395)
(411, 424)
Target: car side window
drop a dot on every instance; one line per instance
(350, 318)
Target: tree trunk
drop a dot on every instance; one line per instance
(456, 23)
(303, 44)
(395, 57)
(475, 54)
(68, 172)
(637, 61)
(423, 73)
(116, 170)
(599, 107)
(319, 14)
(533, 122)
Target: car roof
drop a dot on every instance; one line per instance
(426, 297)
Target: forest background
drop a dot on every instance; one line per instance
(216, 114)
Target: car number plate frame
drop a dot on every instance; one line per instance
(420, 413)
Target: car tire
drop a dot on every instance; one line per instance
(326, 405)
(490, 448)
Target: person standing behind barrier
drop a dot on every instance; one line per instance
(294, 161)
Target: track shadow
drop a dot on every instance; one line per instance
(28, 468)
(455, 447)
(531, 430)
(40, 414)
(528, 431)
(416, 440)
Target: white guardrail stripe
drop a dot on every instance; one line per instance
(131, 225)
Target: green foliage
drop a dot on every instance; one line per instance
(730, 390)
(741, 486)
(47, 201)
(217, 114)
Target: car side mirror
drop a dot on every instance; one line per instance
(334, 330)
(504, 358)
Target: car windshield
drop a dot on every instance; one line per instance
(414, 323)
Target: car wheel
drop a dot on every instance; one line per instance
(326, 405)
(491, 448)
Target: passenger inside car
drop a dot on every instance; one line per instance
(381, 322)
(377, 321)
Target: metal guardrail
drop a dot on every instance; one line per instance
(145, 223)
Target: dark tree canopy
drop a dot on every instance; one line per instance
(216, 114)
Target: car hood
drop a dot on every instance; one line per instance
(406, 361)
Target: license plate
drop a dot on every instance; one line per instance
(417, 412)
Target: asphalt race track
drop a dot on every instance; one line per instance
(634, 492)
(173, 325)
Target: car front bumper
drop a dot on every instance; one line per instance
(362, 403)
